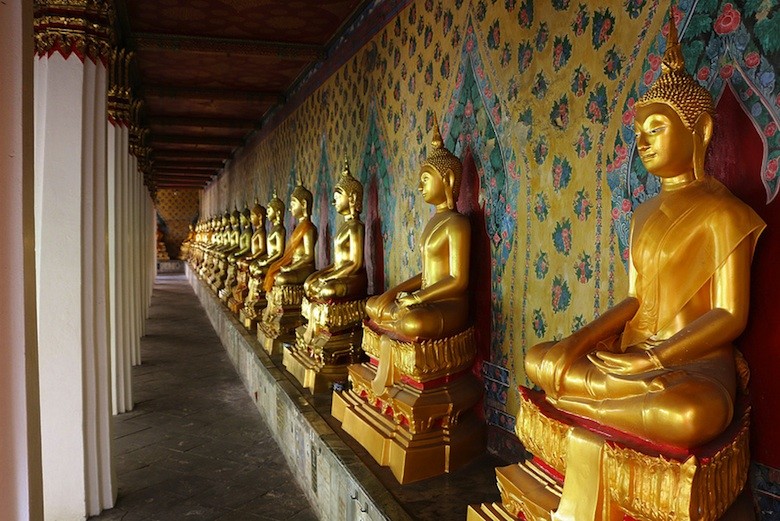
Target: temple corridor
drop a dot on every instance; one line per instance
(194, 446)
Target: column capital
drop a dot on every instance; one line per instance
(80, 27)
(119, 89)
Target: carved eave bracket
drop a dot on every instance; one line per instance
(80, 27)
(119, 87)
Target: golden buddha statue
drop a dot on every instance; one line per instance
(284, 279)
(257, 248)
(434, 303)
(334, 302)
(411, 405)
(346, 277)
(659, 369)
(255, 300)
(184, 249)
(231, 244)
(232, 259)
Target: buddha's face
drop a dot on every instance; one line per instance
(664, 143)
(271, 213)
(432, 186)
(297, 208)
(340, 201)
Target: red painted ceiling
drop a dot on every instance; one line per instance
(207, 71)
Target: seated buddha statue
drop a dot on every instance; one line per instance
(334, 303)
(284, 280)
(411, 404)
(661, 364)
(275, 243)
(641, 413)
(275, 239)
(434, 303)
(257, 248)
(297, 262)
(346, 277)
(245, 232)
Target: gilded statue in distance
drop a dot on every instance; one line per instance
(346, 278)
(421, 347)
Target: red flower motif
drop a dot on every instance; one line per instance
(655, 61)
(728, 20)
(771, 170)
(626, 205)
(752, 59)
(726, 71)
(703, 73)
(649, 77)
(770, 129)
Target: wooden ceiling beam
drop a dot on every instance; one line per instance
(195, 140)
(195, 169)
(153, 42)
(191, 155)
(197, 163)
(164, 91)
(184, 121)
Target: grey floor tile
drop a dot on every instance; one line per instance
(195, 446)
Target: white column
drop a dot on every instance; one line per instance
(21, 496)
(119, 160)
(71, 261)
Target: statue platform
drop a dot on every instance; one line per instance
(282, 315)
(327, 344)
(627, 477)
(419, 419)
(239, 292)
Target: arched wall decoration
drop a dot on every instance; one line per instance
(374, 174)
(474, 122)
(724, 43)
(325, 217)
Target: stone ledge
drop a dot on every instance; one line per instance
(336, 482)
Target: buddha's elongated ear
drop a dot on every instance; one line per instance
(702, 135)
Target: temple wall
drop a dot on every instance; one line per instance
(540, 95)
(178, 209)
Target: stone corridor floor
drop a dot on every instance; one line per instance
(195, 447)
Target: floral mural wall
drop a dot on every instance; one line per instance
(540, 94)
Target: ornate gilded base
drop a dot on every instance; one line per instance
(281, 316)
(417, 417)
(418, 433)
(327, 344)
(626, 477)
(323, 360)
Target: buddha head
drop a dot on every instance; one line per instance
(257, 215)
(275, 209)
(348, 193)
(441, 164)
(300, 202)
(235, 218)
(674, 118)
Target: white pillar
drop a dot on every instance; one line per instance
(21, 495)
(119, 161)
(70, 182)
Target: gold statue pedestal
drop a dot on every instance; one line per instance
(329, 343)
(417, 417)
(226, 291)
(616, 476)
(282, 315)
(239, 291)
